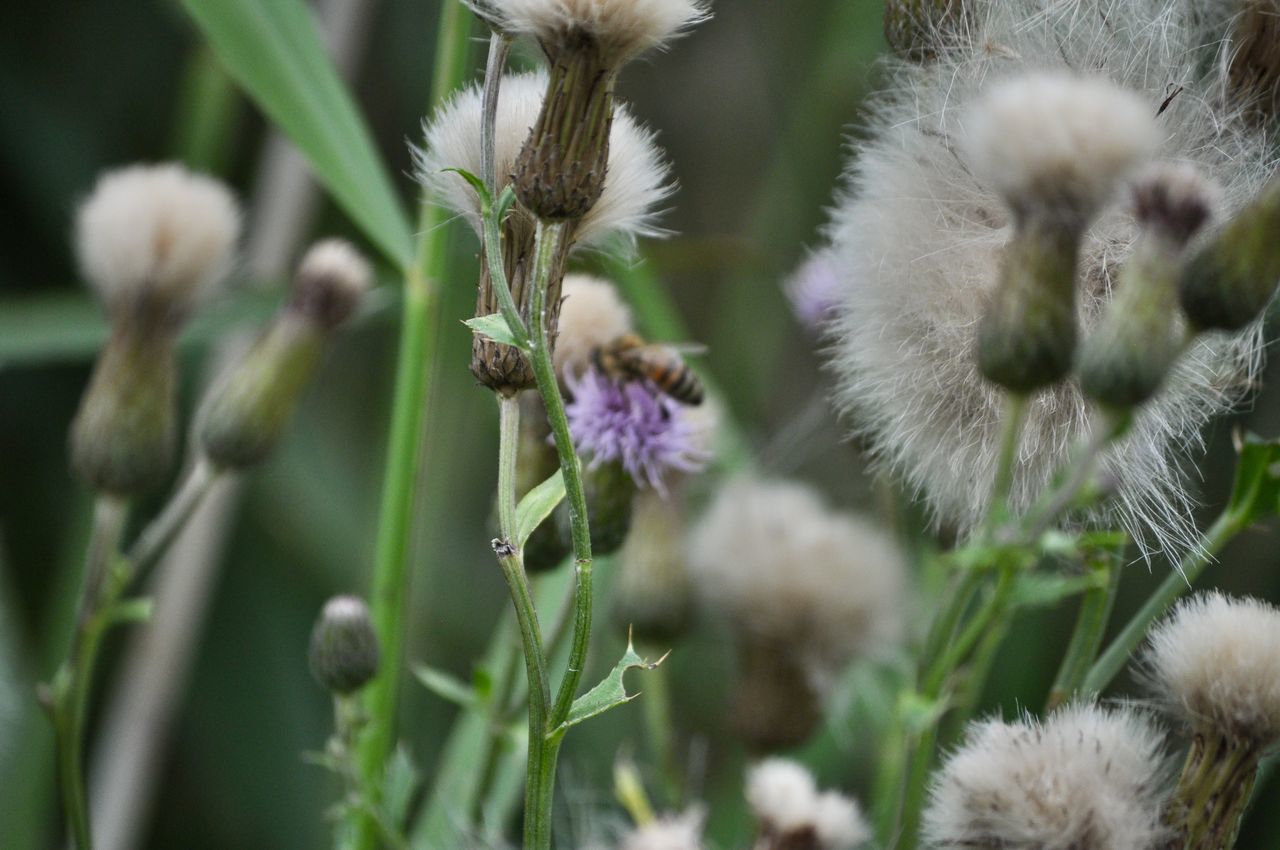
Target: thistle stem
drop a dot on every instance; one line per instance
(1095, 611)
(416, 362)
(69, 693)
(1175, 585)
(1015, 413)
(162, 531)
(1080, 471)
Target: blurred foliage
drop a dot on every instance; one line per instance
(753, 110)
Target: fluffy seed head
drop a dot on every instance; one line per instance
(786, 801)
(156, 231)
(592, 315)
(1216, 660)
(622, 29)
(919, 239)
(638, 175)
(1174, 200)
(1058, 142)
(671, 832)
(331, 279)
(814, 290)
(1087, 778)
(633, 424)
(344, 647)
(781, 566)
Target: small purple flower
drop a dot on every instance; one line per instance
(814, 291)
(633, 423)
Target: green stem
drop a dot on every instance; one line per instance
(72, 683)
(162, 530)
(1095, 611)
(1015, 413)
(415, 365)
(1175, 585)
(1080, 470)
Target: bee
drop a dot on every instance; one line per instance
(629, 357)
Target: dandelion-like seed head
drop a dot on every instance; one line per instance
(814, 290)
(1087, 778)
(787, 802)
(1175, 200)
(919, 239)
(622, 29)
(1057, 141)
(156, 232)
(780, 565)
(592, 315)
(670, 832)
(1216, 661)
(638, 174)
(634, 424)
(331, 279)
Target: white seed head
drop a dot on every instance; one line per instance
(1174, 200)
(622, 28)
(774, 560)
(339, 261)
(1087, 778)
(156, 230)
(918, 240)
(1058, 142)
(1216, 660)
(785, 799)
(638, 177)
(592, 315)
(671, 832)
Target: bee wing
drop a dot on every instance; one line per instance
(686, 349)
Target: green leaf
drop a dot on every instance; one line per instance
(505, 201)
(445, 685)
(272, 48)
(136, 610)
(610, 693)
(1256, 493)
(492, 326)
(537, 505)
(399, 786)
(477, 184)
(1039, 590)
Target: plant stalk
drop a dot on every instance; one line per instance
(1091, 623)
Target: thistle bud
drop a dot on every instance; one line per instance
(775, 703)
(344, 650)
(247, 410)
(654, 594)
(610, 491)
(1126, 359)
(1231, 279)
(536, 461)
(153, 241)
(1054, 146)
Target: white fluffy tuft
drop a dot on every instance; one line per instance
(1085, 779)
(919, 240)
(672, 832)
(1216, 660)
(592, 315)
(638, 178)
(623, 28)
(157, 230)
(1055, 139)
(340, 262)
(780, 565)
(786, 800)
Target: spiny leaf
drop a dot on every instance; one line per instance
(492, 326)
(272, 48)
(537, 505)
(610, 693)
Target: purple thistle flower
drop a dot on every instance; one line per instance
(814, 291)
(633, 423)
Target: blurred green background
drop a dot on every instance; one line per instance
(756, 110)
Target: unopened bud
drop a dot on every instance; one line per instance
(654, 593)
(610, 491)
(537, 461)
(1232, 278)
(1126, 359)
(247, 410)
(560, 171)
(124, 436)
(775, 704)
(344, 647)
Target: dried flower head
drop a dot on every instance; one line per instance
(156, 232)
(631, 423)
(670, 832)
(331, 279)
(1216, 661)
(1087, 778)
(814, 290)
(591, 315)
(919, 241)
(622, 29)
(639, 176)
(793, 813)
